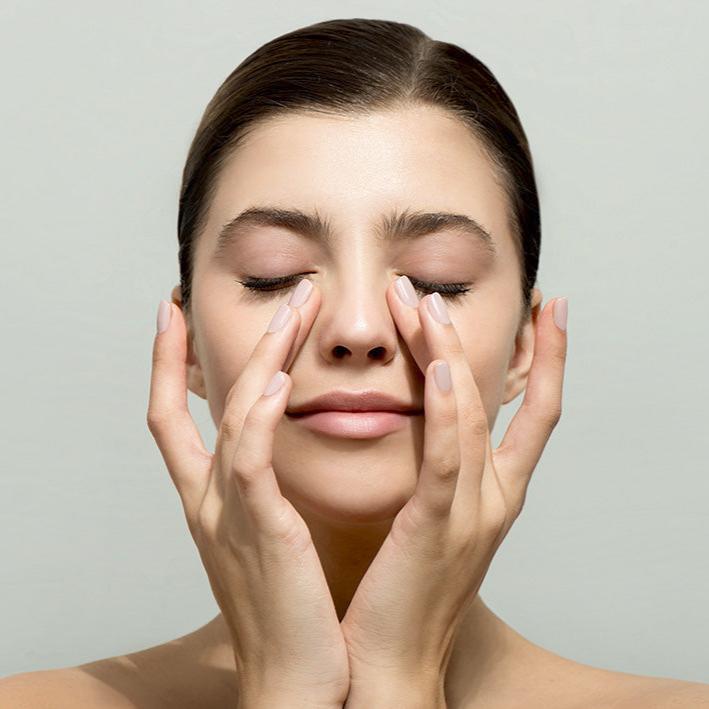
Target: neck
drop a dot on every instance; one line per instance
(487, 654)
(483, 645)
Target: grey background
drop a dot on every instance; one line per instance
(607, 564)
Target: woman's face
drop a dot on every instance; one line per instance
(354, 171)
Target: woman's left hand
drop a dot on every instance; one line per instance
(402, 619)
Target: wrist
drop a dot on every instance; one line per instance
(386, 693)
(272, 689)
(270, 695)
(282, 701)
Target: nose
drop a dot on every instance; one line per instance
(355, 325)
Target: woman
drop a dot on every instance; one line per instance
(358, 221)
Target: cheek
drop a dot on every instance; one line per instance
(226, 342)
(487, 351)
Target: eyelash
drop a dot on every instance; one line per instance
(270, 287)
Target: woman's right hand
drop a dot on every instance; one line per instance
(263, 568)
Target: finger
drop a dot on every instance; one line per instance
(252, 468)
(435, 489)
(403, 303)
(168, 417)
(443, 342)
(530, 428)
(271, 353)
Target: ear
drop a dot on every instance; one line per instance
(523, 352)
(195, 378)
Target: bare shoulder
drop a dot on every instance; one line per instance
(65, 688)
(540, 679)
(136, 681)
(665, 693)
(620, 690)
(183, 673)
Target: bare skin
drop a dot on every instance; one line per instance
(416, 158)
(502, 670)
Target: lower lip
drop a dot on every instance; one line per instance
(351, 424)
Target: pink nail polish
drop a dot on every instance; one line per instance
(301, 293)
(561, 307)
(437, 308)
(442, 373)
(406, 292)
(164, 315)
(280, 318)
(277, 381)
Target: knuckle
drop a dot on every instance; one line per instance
(455, 348)
(475, 423)
(548, 413)
(205, 525)
(518, 505)
(479, 427)
(152, 421)
(558, 355)
(156, 420)
(496, 516)
(448, 472)
(292, 531)
(245, 484)
(233, 392)
(230, 428)
(244, 471)
(553, 415)
(492, 530)
(446, 467)
(448, 416)
(244, 462)
(257, 418)
(158, 356)
(192, 522)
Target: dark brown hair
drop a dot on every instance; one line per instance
(351, 66)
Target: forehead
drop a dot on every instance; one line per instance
(355, 168)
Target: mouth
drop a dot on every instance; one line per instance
(355, 424)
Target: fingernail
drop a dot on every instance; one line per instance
(301, 293)
(442, 373)
(164, 315)
(561, 308)
(406, 291)
(437, 308)
(280, 318)
(275, 384)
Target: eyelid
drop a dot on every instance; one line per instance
(261, 287)
(282, 280)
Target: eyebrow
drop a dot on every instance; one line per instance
(395, 226)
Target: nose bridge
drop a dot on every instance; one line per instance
(356, 324)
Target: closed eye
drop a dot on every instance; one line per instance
(268, 288)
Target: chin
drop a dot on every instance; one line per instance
(343, 510)
(347, 480)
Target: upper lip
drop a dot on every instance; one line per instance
(369, 400)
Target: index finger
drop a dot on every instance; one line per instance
(404, 303)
